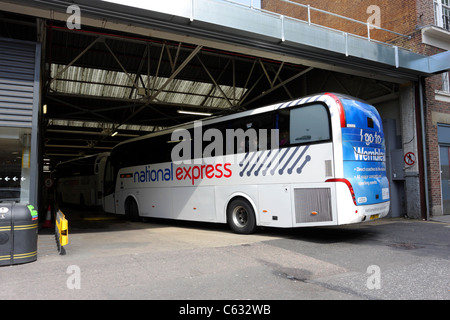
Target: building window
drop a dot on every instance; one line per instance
(442, 13)
(445, 82)
(15, 164)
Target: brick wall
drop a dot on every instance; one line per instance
(395, 15)
(404, 17)
(434, 106)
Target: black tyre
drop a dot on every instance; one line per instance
(241, 216)
(132, 210)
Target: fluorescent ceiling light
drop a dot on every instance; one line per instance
(195, 113)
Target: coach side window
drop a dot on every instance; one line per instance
(251, 133)
(308, 124)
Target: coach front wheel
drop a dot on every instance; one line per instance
(241, 216)
(131, 210)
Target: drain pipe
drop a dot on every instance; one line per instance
(424, 148)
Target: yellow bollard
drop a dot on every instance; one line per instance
(61, 232)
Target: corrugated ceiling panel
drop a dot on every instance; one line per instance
(115, 84)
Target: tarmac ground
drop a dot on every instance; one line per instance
(111, 258)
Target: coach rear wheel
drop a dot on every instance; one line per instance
(241, 216)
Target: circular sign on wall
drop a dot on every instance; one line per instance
(410, 158)
(49, 182)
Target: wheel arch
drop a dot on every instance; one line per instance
(127, 203)
(244, 196)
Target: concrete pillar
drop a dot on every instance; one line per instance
(410, 153)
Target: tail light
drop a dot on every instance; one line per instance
(349, 185)
(341, 109)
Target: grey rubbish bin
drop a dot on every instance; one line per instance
(18, 233)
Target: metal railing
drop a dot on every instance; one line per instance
(310, 9)
(367, 24)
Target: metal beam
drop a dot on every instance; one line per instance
(214, 82)
(79, 108)
(279, 85)
(168, 81)
(207, 96)
(120, 64)
(74, 60)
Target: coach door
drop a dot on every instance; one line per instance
(109, 188)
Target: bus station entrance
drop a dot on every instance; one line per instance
(108, 72)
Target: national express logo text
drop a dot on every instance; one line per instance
(206, 154)
(189, 173)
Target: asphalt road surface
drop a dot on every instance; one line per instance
(111, 258)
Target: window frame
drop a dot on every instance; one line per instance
(329, 124)
(439, 9)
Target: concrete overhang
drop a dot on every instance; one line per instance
(436, 36)
(232, 27)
